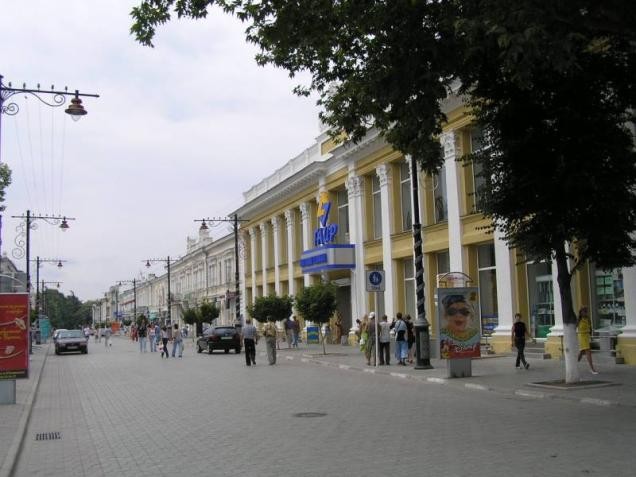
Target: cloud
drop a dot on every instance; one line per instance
(178, 133)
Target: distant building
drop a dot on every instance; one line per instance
(12, 280)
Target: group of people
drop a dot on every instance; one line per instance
(583, 332)
(404, 339)
(158, 338)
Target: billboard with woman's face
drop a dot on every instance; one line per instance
(459, 335)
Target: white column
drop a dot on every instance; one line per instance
(276, 222)
(385, 178)
(290, 219)
(305, 212)
(557, 329)
(505, 287)
(629, 287)
(265, 254)
(452, 150)
(252, 232)
(355, 190)
(242, 285)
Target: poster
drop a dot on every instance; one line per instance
(460, 326)
(14, 336)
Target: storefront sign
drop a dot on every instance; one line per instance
(14, 336)
(328, 257)
(458, 310)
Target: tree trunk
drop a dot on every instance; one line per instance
(322, 338)
(570, 345)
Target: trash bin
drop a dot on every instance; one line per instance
(38, 337)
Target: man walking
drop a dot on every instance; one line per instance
(270, 341)
(250, 336)
(519, 333)
(177, 341)
(385, 342)
(142, 331)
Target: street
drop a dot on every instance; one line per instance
(120, 412)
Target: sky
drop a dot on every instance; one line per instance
(178, 133)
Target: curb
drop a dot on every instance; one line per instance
(10, 461)
(518, 392)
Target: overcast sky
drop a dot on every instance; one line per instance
(178, 133)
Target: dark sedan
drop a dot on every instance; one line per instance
(220, 337)
(71, 340)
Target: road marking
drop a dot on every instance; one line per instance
(476, 386)
(436, 380)
(344, 366)
(366, 370)
(290, 358)
(530, 394)
(597, 402)
(399, 375)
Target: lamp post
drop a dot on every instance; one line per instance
(421, 325)
(57, 284)
(166, 261)
(235, 224)
(134, 284)
(38, 261)
(23, 239)
(53, 98)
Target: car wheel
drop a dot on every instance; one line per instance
(210, 350)
(84, 351)
(199, 349)
(227, 350)
(57, 351)
(238, 350)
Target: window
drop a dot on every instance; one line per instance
(410, 301)
(405, 196)
(228, 270)
(443, 262)
(541, 297)
(343, 216)
(377, 207)
(477, 144)
(609, 298)
(439, 196)
(213, 274)
(487, 288)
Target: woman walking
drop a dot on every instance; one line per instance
(164, 341)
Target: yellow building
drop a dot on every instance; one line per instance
(337, 211)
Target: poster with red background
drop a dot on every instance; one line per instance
(14, 336)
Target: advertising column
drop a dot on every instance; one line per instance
(14, 343)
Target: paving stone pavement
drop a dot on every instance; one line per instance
(120, 412)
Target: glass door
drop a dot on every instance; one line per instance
(541, 299)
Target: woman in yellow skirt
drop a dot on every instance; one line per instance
(584, 333)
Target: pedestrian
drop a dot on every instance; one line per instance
(385, 342)
(270, 341)
(370, 348)
(519, 333)
(250, 339)
(338, 329)
(584, 332)
(177, 342)
(363, 333)
(152, 338)
(295, 331)
(410, 338)
(164, 342)
(401, 344)
(98, 332)
(289, 325)
(106, 333)
(142, 331)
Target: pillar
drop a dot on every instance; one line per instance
(385, 178)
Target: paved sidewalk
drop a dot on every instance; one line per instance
(14, 418)
(614, 386)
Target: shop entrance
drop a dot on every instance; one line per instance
(541, 296)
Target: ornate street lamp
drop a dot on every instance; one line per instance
(167, 262)
(235, 225)
(38, 261)
(133, 282)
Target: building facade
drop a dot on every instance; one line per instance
(367, 189)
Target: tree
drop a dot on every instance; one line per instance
(550, 83)
(271, 308)
(208, 312)
(191, 316)
(5, 181)
(317, 304)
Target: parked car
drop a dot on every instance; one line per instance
(219, 337)
(71, 340)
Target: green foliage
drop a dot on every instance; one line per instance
(5, 181)
(317, 303)
(208, 312)
(271, 308)
(65, 311)
(141, 318)
(191, 316)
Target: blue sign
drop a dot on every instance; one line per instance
(327, 232)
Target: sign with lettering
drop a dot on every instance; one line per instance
(14, 336)
(327, 232)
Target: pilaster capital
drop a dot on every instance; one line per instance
(304, 211)
(384, 174)
(252, 232)
(276, 222)
(263, 226)
(354, 185)
(290, 217)
(451, 144)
